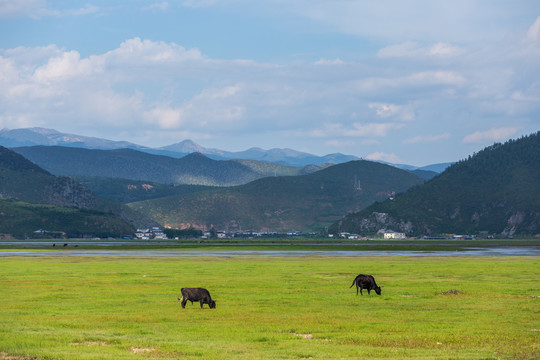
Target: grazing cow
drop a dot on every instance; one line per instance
(196, 294)
(366, 282)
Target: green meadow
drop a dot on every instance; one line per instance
(269, 308)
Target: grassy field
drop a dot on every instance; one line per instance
(269, 308)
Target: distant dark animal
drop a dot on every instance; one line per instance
(366, 282)
(196, 294)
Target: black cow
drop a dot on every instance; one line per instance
(366, 282)
(196, 294)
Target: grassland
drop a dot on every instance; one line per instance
(269, 308)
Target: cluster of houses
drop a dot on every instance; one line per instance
(251, 234)
(386, 235)
(149, 234)
(158, 234)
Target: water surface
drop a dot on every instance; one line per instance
(498, 251)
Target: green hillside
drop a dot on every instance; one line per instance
(21, 220)
(193, 169)
(307, 202)
(496, 190)
(126, 191)
(25, 182)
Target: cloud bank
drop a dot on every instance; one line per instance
(410, 91)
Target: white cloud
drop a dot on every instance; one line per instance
(8, 72)
(199, 3)
(32, 8)
(436, 77)
(165, 117)
(338, 143)
(162, 6)
(107, 86)
(412, 49)
(529, 95)
(36, 9)
(212, 107)
(442, 49)
(357, 130)
(422, 139)
(137, 51)
(534, 31)
(385, 110)
(323, 61)
(408, 48)
(31, 57)
(495, 134)
(68, 66)
(103, 107)
(377, 130)
(458, 21)
(88, 9)
(216, 106)
(381, 156)
(399, 112)
(225, 92)
(408, 84)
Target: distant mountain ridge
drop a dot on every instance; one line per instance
(495, 191)
(49, 137)
(194, 168)
(188, 147)
(289, 157)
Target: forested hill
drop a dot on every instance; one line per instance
(22, 183)
(194, 169)
(496, 190)
(308, 202)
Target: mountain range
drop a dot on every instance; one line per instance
(281, 203)
(496, 191)
(289, 157)
(273, 203)
(194, 168)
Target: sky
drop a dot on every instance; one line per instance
(413, 82)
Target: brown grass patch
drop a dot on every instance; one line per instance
(6, 356)
(91, 343)
(451, 292)
(137, 350)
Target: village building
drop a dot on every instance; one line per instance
(394, 235)
(149, 234)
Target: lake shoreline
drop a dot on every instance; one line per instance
(271, 247)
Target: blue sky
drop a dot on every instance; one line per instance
(415, 82)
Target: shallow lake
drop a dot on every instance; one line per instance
(500, 251)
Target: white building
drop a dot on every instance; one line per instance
(394, 235)
(147, 234)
